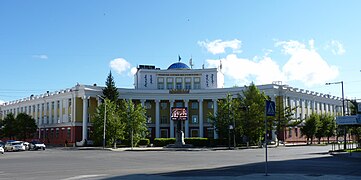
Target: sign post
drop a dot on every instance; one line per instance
(179, 114)
(269, 111)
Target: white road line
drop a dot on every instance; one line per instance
(85, 176)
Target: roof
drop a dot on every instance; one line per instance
(178, 65)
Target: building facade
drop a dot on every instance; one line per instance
(66, 115)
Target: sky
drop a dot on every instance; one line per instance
(53, 45)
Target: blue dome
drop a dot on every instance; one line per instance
(178, 65)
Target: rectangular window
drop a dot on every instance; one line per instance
(178, 85)
(57, 132)
(296, 132)
(51, 133)
(169, 86)
(52, 105)
(148, 105)
(68, 133)
(160, 85)
(209, 120)
(163, 105)
(69, 102)
(179, 104)
(210, 133)
(197, 85)
(290, 132)
(195, 105)
(164, 120)
(164, 133)
(194, 119)
(58, 104)
(194, 133)
(149, 119)
(188, 85)
(210, 105)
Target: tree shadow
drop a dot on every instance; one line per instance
(340, 165)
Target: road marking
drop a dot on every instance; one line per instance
(85, 176)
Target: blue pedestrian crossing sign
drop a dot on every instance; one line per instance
(270, 108)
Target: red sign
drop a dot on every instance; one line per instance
(179, 113)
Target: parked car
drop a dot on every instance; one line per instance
(14, 146)
(27, 145)
(2, 150)
(35, 145)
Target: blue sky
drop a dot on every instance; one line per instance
(47, 45)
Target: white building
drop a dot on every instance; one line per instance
(67, 114)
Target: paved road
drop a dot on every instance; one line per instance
(285, 162)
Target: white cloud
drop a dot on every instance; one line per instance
(120, 65)
(218, 46)
(133, 71)
(336, 47)
(2, 102)
(305, 65)
(244, 71)
(40, 56)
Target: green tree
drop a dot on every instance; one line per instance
(223, 117)
(1, 128)
(110, 91)
(114, 125)
(134, 120)
(310, 126)
(252, 118)
(331, 127)
(285, 117)
(26, 126)
(10, 130)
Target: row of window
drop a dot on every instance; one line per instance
(164, 105)
(54, 134)
(179, 85)
(37, 107)
(317, 106)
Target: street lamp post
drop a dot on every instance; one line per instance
(343, 110)
(105, 120)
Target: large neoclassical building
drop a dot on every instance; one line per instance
(67, 114)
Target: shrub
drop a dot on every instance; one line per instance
(198, 142)
(144, 142)
(160, 142)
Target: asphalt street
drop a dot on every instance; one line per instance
(304, 162)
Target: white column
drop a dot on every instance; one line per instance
(41, 114)
(85, 117)
(200, 103)
(66, 119)
(302, 105)
(51, 119)
(73, 109)
(36, 115)
(171, 126)
(46, 113)
(56, 120)
(142, 102)
(157, 117)
(28, 110)
(215, 109)
(297, 107)
(186, 123)
(60, 110)
(100, 102)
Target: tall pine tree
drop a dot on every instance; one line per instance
(110, 91)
